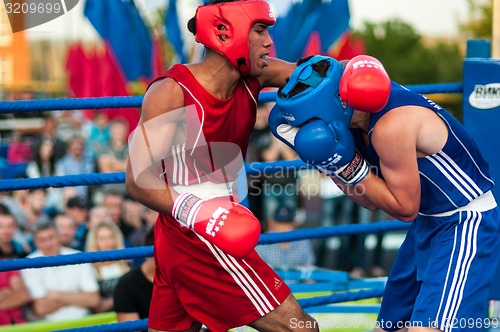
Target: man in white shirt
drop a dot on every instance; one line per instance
(62, 292)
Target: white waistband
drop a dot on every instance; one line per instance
(207, 189)
(482, 203)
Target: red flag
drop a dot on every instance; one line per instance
(313, 46)
(113, 83)
(347, 47)
(158, 60)
(74, 66)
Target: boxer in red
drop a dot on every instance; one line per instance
(184, 158)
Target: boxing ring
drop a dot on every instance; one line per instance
(337, 285)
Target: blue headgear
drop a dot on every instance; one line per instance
(320, 100)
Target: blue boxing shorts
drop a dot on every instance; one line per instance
(442, 273)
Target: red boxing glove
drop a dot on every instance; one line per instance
(228, 225)
(365, 85)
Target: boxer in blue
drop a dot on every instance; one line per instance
(392, 149)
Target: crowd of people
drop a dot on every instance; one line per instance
(45, 222)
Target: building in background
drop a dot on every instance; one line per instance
(15, 64)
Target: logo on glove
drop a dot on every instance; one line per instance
(217, 221)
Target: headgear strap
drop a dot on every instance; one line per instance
(237, 19)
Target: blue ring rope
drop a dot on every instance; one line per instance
(256, 168)
(147, 251)
(304, 303)
(43, 105)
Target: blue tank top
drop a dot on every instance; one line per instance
(450, 178)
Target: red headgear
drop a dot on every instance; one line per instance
(237, 18)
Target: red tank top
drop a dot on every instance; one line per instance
(217, 131)
(207, 154)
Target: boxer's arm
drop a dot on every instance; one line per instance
(276, 74)
(398, 193)
(149, 143)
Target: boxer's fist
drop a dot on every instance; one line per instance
(365, 85)
(330, 147)
(228, 225)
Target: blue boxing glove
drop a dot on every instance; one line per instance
(330, 148)
(310, 117)
(280, 127)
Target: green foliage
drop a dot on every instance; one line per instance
(409, 60)
(406, 58)
(479, 23)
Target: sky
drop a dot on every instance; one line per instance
(435, 18)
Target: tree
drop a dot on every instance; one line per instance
(409, 60)
(479, 23)
(405, 56)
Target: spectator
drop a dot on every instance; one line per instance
(34, 212)
(13, 297)
(106, 236)
(43, 164)
(49, 133)
(267, 191)
(260, 139)
(19, 151)
(75, 162)
(286, 255)
(113, 202)
(98, 134)
(114, 156)
(69, 124)
(98, 214)
(133, 292)
(67, 227)
(132, 220)
(13, 293)
(77, 208)
(62, 292)
(9, 248)
(137, 238)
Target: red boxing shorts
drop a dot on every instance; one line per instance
(196, 281)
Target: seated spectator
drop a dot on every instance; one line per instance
(10, 248)
(114, 156)
(98, 214)
(137, 238)
(67, 227)
(132, 221)
(75, 161)
(32, 204)
(13, 297)
(60, 292)
(49, 133)
(286, 255)
(13, 293)
(113, 202)
(69, 124)
(106, 236)
(134, 290)
(98, 134)
(77, 208)
(43, 164)
(19, 151)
